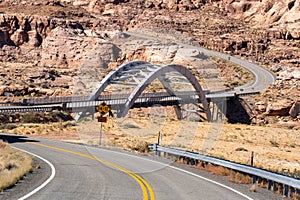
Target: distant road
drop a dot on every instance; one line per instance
(263, 77)
(96, 173)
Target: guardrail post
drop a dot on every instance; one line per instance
(157, 153)
(274, 189)
(203, 164)
(188, 160)
(270, 183)
(297, 191)
(280, 188)
(195, 161)
(259, 180)
(254, 178)
(285, 190)
(291, 192)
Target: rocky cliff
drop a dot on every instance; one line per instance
(264, 31)
(55, 38)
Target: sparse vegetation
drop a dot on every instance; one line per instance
(8, 121)
(232, 175)
(234, 75)
(274, 143)
(139, 146)
(13, 165)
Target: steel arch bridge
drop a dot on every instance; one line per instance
(140, 74)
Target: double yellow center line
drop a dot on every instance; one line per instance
(148, 193)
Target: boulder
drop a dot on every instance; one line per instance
(279, 108)
(295, 109)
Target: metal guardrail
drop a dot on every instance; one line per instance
(256, 172)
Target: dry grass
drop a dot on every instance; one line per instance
(240, 178)
(57, 130)
(274, 149)
(214, 169)
(232, 175)
(13, 165)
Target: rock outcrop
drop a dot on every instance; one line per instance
(280, 108)
(281, 16)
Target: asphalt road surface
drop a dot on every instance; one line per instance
(83, 172)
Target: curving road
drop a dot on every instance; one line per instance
(263, 78)
(96, 173)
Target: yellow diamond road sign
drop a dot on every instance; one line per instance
(103, 108)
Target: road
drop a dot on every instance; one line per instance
(263, 78)
(97, 173)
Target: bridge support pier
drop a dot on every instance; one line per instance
(218, 109)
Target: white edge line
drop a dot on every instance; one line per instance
(43, 184)
(182, 170)
(130, 155)
(214, 182)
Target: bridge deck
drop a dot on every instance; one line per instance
(79, 103)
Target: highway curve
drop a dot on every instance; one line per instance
(97, 173)
(263, 78)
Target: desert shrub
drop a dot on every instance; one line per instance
(31, 118)
(44, 86)
(45, 117)
(274, 143)
(2, 144)
(140, 146)
(17, 93)
(8, 126)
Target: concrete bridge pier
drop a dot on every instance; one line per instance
(218, 108)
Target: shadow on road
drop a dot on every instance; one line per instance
(15, 138)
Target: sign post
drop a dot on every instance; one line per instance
(100, 133)
(102, 108)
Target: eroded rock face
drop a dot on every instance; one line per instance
(52, 43)
(210, 26)
(283, 16)
(67, 49)
(280, 108)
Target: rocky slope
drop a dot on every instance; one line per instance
(52, 39)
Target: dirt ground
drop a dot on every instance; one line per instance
(276, 149)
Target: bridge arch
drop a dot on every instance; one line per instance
(105, 82)
(156, 74)
(149, 73)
